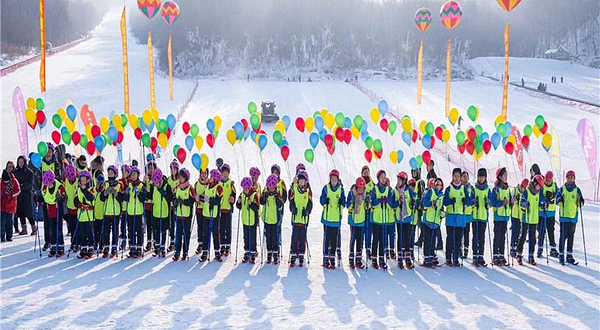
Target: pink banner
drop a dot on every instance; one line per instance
(587, 136)
(18, 104)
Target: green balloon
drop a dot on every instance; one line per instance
(255, 121)
(392, 127)
(162, 126)
(175, 148)
(377, 145)
(472, 113)
(429, 128)
(369, 142)
(277, 138)
(84, 141)
(316, 114)
(478, 148)
(194, 130)
(539, 121)
(123, 120)
(42, 148)
(39, 104)
(358, 121)
(146, 140)
(339, 119)
(107, 140)
(528, 130)
(501, 129)
(56, 120)
(215, 134)
(419, 161)
(443, 126)
(479, 130)
(66, 137)
(460, 138)
(251, 107)
(309, 155)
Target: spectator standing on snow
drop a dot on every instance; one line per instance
(24, 175)
(10, 190)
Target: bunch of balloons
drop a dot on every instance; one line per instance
(35, 113)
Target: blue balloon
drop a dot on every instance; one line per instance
(238, 128)
(314, 139)
(284, 143)
(407, 138)
(287, 121)
(364, 127)
(196, 161)
(504, 141)
(150, 127)
(62, 129)
(189, 142)
(322, 134)
(319, 123)
(262, 142)
(44, 123)
(112, 133)
(171, 121)
(71, 112)
(253, 135)
(247, 133)
(100, 143)
(413, 163)
(383, 107)
(485, 136)
(348, 123)
(210, 124)
(509, 129)
(495, 140)
(426, 142)
(400, 156)
(364, 135)
(150, 157)
(36, 160)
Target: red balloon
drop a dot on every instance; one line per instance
(379, 154)
(368, 155)
(120, 137)
(328, 140)
(210, 140)
(487, 146)
(76, 137)
(244, 123)
(95, 131)
(469, 147)
(438, 132)
(138, 133)
(525, 142)
(415, 136)
(460, 148)
(91, 147)
(300, 124)
(426, 157)
(509, 148)
(181, 155)
(56, 137)
(339, 134)
(331, 150)
(347, 136)
(384, 124)
(542, 130)
(168, 133)
(153, 143)
(285, 152)
(40, 117)
(432, 142)
(262, 131)
(186, 127)
(472, 134)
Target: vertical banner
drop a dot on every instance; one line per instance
(420, 73)
(587, 136)
(170, 54)
(42, 47)
(88, 118)
(448, 75)
(125, 65)
(151, 69)
(518, 148)
(18, 104)
(505, 88)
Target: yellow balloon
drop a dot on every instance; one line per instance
(218, 122)
(147, 117)
(162, 140)
(69, 124)
(134, 121)
(329, 120)
(536, 131)
(512, 140)
(309, 124)
(31, 103)
(30, 116)
(478, 155)
(199, 142)
(155, 114)
(499, 120)
(324, 113)
(88, 132)
(375, 115)
(231, 138)
(394, 157)
(453, 116)
(407, 125)
(104, 124)
(446, 136)
(62, 113)
(280, 126)
(203, 162)
(422, 126)
(117, 121)
(355, 132)
(547, 141)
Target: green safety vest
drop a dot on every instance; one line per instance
(160, 206)
(480, 212)
(200, 188)
(503, 211)
(248, 215)
(173, 183)
(210, 193)
(568, 208)
(301, 203)
(380, 210)
(134, 206)
(228, 191)
(50, 196)
(112, 207)
(517, 211)
(532, 215)
(358, 216)
(458, 195)
(469, 190)
(98, 207)
(71, 191)
(332, 212)
(406, 205)
(551, 189)
(434, 214)
(183, 194)
(48, 167)
(269, 211)
(84, 213)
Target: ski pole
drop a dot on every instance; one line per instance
(101, 238)
(37, 232)
(545, 236)
(583, 234)
(489, 230)
(237, 239)
(74, 238)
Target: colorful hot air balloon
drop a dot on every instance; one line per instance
(149, 7)
(508, 5)
(423, 19)
(170, 12)
(450, 14)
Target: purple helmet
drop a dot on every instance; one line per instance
(276, 167)
(246, 183)
(184, 173)
(216, 175)
(225, 167)
(125, 168)
(272, 181)
(48, 178)
(70, 172)
(157, 176)
(303, 174)
(134, 169)
(175, 165)
(300, 166)
(85, 174)
(50, 146)
(114, 169)
(254, 172)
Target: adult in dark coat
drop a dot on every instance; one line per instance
(24, 175)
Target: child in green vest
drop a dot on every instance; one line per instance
(531, 201)
(464, 178)
(210, 213)
(433, 203)
(405, 220)
(53, 194)
(271, 201)
(135, 195)
(456, 200)
(500, 200)
(382, 201)
(84, 201)
(301, 205)
(570, 200)
(482, 202)
(173, 181)
(247, 203)
(183, 203)
(333, 201)
(357, 217)
(70, 184)
(365, 173)
(112, 198)
(200, 188)
(516, 213)
(226, 209)
(162, 196)
(547, 216)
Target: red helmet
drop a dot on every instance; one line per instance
(549, 175)
(571, 173)
(402, 175)
(500, 172)
(335, 172)
(411, 182)
(360, 183)
(539, 180)
(431, 183)
(524, 183)
(379, 173)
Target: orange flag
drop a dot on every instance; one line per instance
(151, 68)
(125, 65)
(43, 47)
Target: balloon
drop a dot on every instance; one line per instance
(149, 7)
(368, 155)
(400, 156)
(487, 146)
(189, 142)
(369, 142)
(170, 12)
(450, 14)
(104, 124)
(90, 147)
(194, 130)
(76, 137)
(300, 124)
(231, 136)
(536, 131)
(426, 142)
(137, 133)
(438, 132)
(277, 138)
(406, 125)
(547, 141)
(375, 115)
(210, 140)
(461, 148)
(146, 117)
(71, 112)
(415, 135)
(133, 121)
(423, 19)
(358, 121)
(469, 147)
(446, 136)
(429, 128)
(120, 137)
(543, 130)
(285, 152)
(453, 116)
(472, 134)
(100, 143)
(42, 148)
(406, 137)
(508, 5)
(61, 113)
(36, 160)
(382, 106)
(525, 141)
(198, 141)
(355, 132)
(539, 121)
(501, 129)
(210, 125)
(460, 138)
(163, 140)
(394, 157)
(384, 124)
(56, 120)
(146, 140)
(339, 119)
(31, 117)
(378, 154)
(473, 113)
(413, 164)
(347, 122)
(287, 121)
(426, 156)
(262, 142)
(377, 145)
(31, 103)
(117, 121)
(495, 140)
(527, 130)
(162, 126)
(339, 134)
(204, 161)
(251, 107)
(422, 126)
(393, 126)
(70, 125)
(309, 155)
(255, 121)
(313, 139)
(347, 136)
(181, 154)
(186, 128)
(319, 123)
(238, 129)
(509, 148)
(328, 140)
(55, 137)
(310, 124)
(171, 121)
(329, 120)
(112, 133)
(196, 161)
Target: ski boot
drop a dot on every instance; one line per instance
(227, 250)
(482, 262)
(222, 250)
(448, 263)
(325, 262)
(33, 230)
(171, 247)
(338, 251)
(374, 264)
(561, 259)
(246, 257)
(465, 253)
(496, 261)
(427, 263)
(331, 262)
(163, 254)
(540, 252)
(82, 254)
(456, 264)
(184, 257)
(292, 260)
(52, 253)
(571, 260)
(358, 261)
(520, 259)
(368, 254)
(408, 262)
(399, 263)
(553, 253)
(199, 248)
(253, 258)
(301, 260)
(351, 260)
(531, 260)
(148, 247)
(269, 257)
(61, 252)
(513, 252)
(46, 247)
(23, 232)
(105, 253)
(435, 261)
(392, 254)
(275, 258)
(382, 263)
(113, 253)
(218, 257)
(175, 257)
(503, 261)
(204, 256)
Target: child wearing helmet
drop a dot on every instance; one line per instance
(531, 201)
(70, 184)
(84, 201)
(358, 207)
(382, 203)
(98, 183)
(183, 204)
(162, 196)
(500, 200)
(135, 195)
(200, 188)
(468, 214)
(482, 203)
(405, 220)
(570, 200)
(547, 216)
(365, 173)
(173, 180)
(150, 167)
(226, 209)
(333, 200)
(301, 204)
(112, 196)
(282, 190)
(255, 174)
(125, 170)
(516, 213)
(53, 193)
(271, 200)
(433, 203)
(247, 203)
(456, 200)
(210, 213)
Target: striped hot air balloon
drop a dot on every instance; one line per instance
(423, 19)
(450, 14)
(508, 5)
(170, 12)
(149, 7)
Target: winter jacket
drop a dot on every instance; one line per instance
(37, 177)
(10, 191)
(25, 177)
